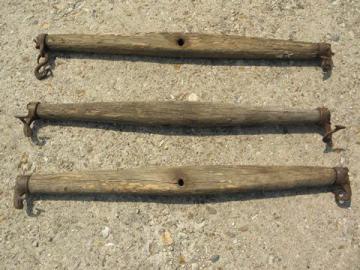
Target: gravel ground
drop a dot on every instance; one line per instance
(275, 230)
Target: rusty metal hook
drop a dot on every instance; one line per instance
(21, 189)
(326, 57)
(328, 135)
(42, 69)
(342, 185)
(29, 118)
(327, 63)
(325, 122)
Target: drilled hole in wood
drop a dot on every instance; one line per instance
(180, 41)
(180, 182)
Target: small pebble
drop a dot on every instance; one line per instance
(244, 228)
(105, 232)
(211, 210)
(335, 37)
(182, 259)
(166, 238)
(342, 160)
(214, 258)
(193, 97)
(35, 244)
(230, 234)
(194, 266)
(271, 259)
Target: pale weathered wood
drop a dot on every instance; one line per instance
(183, 180)
(189, 45)
(186, 181)
(194, 114)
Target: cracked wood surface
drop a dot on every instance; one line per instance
(183, 180)
(188, 45)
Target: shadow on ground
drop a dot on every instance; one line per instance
(33, 211)
(188, 61)
(175, 130)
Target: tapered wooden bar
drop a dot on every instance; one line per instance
(187, 45)
(190, 114)
(184, 180)
(192, 45)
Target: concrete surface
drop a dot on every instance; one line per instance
(258, 231)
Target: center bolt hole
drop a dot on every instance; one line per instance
(180, 182)
(180, 41)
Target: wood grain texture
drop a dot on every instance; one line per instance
(188, 45)
(193, 114)
(195, 180)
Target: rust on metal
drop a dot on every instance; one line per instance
(342, 183)
(325, 122)
(29, 118)
(325, 55)
(328, 135)
(20, 191)
(42, 70)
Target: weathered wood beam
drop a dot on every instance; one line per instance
(185, 180)
(189, 45)
(190, 114)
